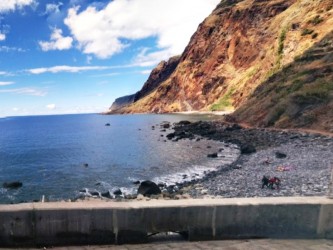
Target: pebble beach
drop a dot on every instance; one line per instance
(302, 161)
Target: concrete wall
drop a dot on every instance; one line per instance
(50, 224)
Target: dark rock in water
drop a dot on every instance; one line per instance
(107, 124)
(94, 193)
(148, 188)
(213, 155)
(136, 182)
(106, 195)
(165, 125)
(12, 185)
(170, 136)
(161, 185)
(183, 123)
(117, 192)
(280, 155)
(247, 149)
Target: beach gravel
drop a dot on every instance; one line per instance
(304, 170)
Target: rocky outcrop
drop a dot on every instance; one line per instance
(147, 188)
(12, 185)
(159, 74)
(121, 102)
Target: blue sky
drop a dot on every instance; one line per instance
(77, 56)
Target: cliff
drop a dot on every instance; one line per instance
(121, 102)
(159, 74)
(236, 51)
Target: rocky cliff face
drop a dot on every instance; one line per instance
(242, 45)
(121, 102)
(157, 76)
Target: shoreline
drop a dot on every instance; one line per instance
(304, 168)
(217, 113)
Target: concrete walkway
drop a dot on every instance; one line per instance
(267, 244)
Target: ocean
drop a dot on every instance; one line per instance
(61, 156)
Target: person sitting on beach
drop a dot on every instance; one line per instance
(264, 181)
(273, 181)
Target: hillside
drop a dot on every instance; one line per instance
(242, 53)
(299, 96)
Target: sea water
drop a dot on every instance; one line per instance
(59, 156)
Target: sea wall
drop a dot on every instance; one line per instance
(50, 224)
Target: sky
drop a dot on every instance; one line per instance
(78, 56)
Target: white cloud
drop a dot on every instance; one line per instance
(89, 59)
(145, 72)
(25, 91)
(146, 58)
(51, 106)
(5, 83)
(172, 22)
(65, 68)
(53, 8)
(11, 5)
(10, 49)
(2, 37)
(57, 41)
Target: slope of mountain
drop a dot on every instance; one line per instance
(157, 76)
(298, 96)
(246, 45)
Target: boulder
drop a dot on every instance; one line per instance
(12, 185)
(171, 136)
(165, 125)
(117, 192)
(280, 155)
(213, 155)
(183, 123)
(147, 188)
(94, 193)
(106, 195)
(247, 149)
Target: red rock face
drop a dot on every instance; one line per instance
(157, 76)
(233, 51)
